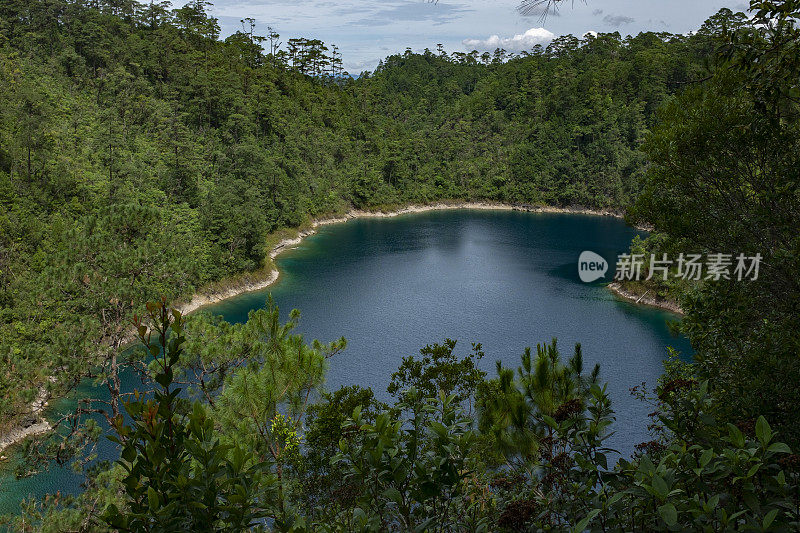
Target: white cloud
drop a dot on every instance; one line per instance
(517, 43)
(618, 20)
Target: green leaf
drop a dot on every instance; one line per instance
(152, 499)
(129, 453)
(705, 458)
(438, 428)
(394, 495)
(660, 487)
(763, 431)
(768, 519)
(615, 498)
(583, 524)
(668, 513)
(735, 436)
(550, 421)
(779, 447)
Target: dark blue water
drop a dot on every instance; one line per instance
(505, 279)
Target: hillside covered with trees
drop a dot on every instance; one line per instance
(142, 157)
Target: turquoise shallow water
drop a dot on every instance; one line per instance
(505, 279)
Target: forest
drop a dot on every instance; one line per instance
(142, 157)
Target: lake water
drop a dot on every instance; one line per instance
(505, 279)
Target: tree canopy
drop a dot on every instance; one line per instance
(142, 157)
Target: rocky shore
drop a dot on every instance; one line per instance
(647, 298)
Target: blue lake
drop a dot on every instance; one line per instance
(505, 279)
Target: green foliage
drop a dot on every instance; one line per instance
(178, 475)
(418, 465)
(724, 179)
(440, 371)
(141, 157)
(260, 395)
(704, 476)
(521, 412)
(415, 473)
(712, 476)
(323, 492)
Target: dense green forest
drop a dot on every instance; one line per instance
(142, 157)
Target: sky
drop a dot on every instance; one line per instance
(368, 30)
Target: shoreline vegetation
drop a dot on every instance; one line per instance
(648, 298)
(35, 423)
(290, 238)
(31, 425)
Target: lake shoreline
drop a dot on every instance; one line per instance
(260, 280)
(644, 299)
(35, 423)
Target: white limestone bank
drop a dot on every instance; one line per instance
(645, 298)
(256, 282)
